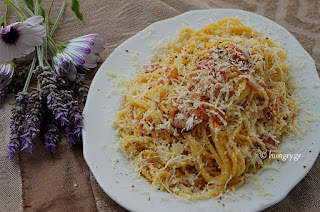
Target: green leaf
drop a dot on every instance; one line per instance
(29, 4)
(7, 2)
(76, 9)
(42, 12)
(51, 23)
(2, 22)
(39, 1)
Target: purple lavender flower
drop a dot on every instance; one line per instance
(79, 87)
(73, 129)
(17, 129)
(18, 79)
(3, 94)
(78, 53)
(58, 107)
(62, 103)
(68, 113)
(51, 137)
(34, 121)
(54, 97)
(46, 80)
(6, 72)
(17, 82)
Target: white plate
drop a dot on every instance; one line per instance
(109, 166)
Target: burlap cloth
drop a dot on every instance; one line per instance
(63, 182)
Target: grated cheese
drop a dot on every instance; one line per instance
(111, 74)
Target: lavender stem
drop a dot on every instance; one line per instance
(33, 64)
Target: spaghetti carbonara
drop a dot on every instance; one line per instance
(195, 121)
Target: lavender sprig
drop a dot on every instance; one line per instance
(34, 120)
(17, 82)
(74, 126)
(46, 80)
(79, 87)
(48, 85)
(3, 94)
(58, 107)
(18, 79)
(51, 137)
(60, 89)
(62, 103)
(50, 131)
(17, 128)
(68, 112)
(73, 129)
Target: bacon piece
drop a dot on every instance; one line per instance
(217, 119)
(151, 68)
(180, 120)
(167, 132)
(270, 111)
(199, 113)
(235, 54)
(175, 113)
(169, 73)
(269, 142)
(254, 84)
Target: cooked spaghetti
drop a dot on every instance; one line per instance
(195, 121)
